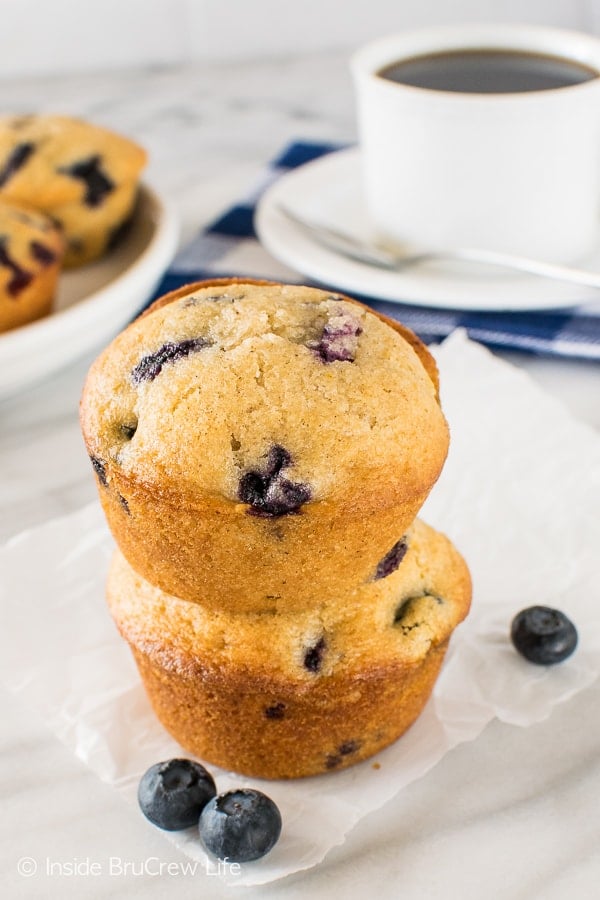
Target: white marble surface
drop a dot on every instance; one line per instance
(511, 815)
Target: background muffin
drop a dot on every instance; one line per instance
(83, 176)
(31, 252)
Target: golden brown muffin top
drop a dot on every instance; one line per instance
(267, 395)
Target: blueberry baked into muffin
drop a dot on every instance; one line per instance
(285, 695)
(31, 252)
(83, 176)
(261, 447)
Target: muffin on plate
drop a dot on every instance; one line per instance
(262, 447)
(83, 176)
(277, 695)
(31, 252)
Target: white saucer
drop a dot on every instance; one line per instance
(328, 190)
(95, 301)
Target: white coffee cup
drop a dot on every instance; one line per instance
(515, 172)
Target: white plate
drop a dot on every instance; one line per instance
(95, 301)
(328, 190)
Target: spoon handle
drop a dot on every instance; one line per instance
(520, 264)
(355, 248)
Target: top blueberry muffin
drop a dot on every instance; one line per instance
(270, 397)
(82, 175)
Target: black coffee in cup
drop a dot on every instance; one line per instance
(487, 71)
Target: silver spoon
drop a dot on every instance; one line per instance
(354, 247)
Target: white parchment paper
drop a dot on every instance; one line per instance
(519, 495)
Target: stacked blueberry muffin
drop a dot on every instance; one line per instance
(261, 452)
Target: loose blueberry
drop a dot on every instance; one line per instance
(339, 339)
(268, 493)
(543, 635)
(97, 184)
(313, 658)
(172, 794)
(240, 825)
(150, 366)
(391, 560)
(16, 159)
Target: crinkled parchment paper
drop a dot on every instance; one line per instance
(519, 495)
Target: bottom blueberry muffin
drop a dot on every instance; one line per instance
(283, 696)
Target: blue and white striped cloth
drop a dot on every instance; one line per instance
(229, 247)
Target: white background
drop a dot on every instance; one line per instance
(38, 36)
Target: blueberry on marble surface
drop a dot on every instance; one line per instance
(172, 794)
(240, 825)
(543, 635)
(268, 492)
(152, 365)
